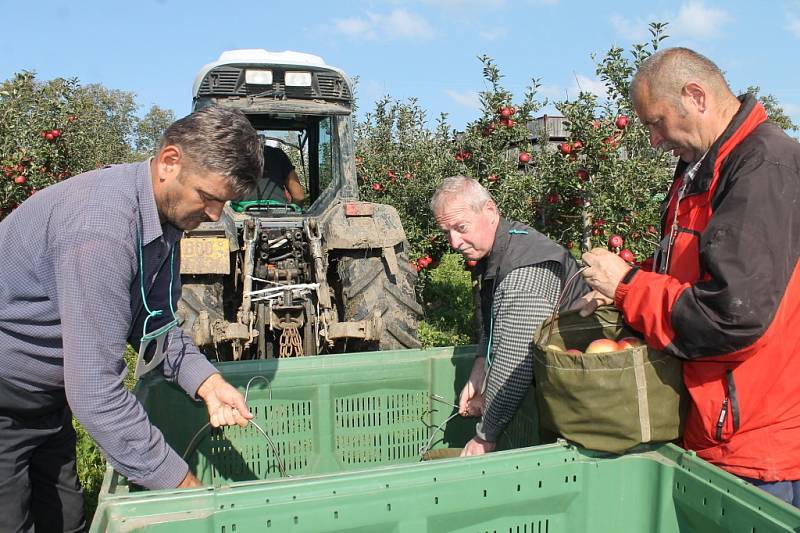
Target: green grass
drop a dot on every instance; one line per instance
(449, 309)
(449, 317)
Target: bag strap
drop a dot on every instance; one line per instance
(567, 284)
(641, 395)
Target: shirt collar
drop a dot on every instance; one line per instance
(151, 226)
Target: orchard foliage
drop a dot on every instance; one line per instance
(400, 162)
(603, 181)
(52, 130)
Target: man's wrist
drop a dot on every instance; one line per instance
(208, 385)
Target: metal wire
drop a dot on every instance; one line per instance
(281, 466)
(425, 449)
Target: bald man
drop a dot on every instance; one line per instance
(724, 292)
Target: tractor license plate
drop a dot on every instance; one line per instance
(205, 255)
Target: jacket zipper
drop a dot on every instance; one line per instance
(723, 414)
(732, 401)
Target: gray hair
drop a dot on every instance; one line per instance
(467, 189)
(222, 141)
(667, 71)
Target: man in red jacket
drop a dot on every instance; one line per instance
(724, 293)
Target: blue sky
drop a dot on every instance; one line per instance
(415, 48)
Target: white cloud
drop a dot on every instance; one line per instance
(492, 35)
(632, 30)
(354, 27)
(587, 85)
(465, 4)
(551, 92)
(695, 20)
(793, 25)
(469, 99)
(372, 90)
(399, 24)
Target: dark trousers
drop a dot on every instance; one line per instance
(788, 491)
(39, 489)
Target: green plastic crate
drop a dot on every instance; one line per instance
(545, 489)
(349, 429)
(324, 415)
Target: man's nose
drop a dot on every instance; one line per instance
(213, 210)
(455, 240)
(655, 139)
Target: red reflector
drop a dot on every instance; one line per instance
(359, 210)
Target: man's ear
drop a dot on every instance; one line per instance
(490, 208)
(169, 161)
(696, 94)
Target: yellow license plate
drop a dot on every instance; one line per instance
(205, 255)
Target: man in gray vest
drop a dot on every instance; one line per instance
(521, 274)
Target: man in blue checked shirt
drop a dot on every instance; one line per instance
(88, 266)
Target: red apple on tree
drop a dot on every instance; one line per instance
(377, 187)
(20, 180)
(425, 261)
(627, 255)
(524, 157)
(582, 174)
(505, 112)
(621, 122)
(553, 198)
(615, 241)
(564, 148)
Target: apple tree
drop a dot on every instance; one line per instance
(603, 183)
(51, 130)
(400, 161)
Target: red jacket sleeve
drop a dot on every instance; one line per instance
(748, 253)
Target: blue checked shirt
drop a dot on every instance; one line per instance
(70, 301)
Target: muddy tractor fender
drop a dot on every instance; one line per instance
(353, 225)
(377, 280)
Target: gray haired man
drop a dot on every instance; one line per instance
(521, 274)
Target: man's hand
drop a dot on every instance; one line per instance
(590, 301)
(470, 401)
(478, 446)
(605, 271)
(225, 404)
(190, 481)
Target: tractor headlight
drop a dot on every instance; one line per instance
(258, 77)
(298, 79)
